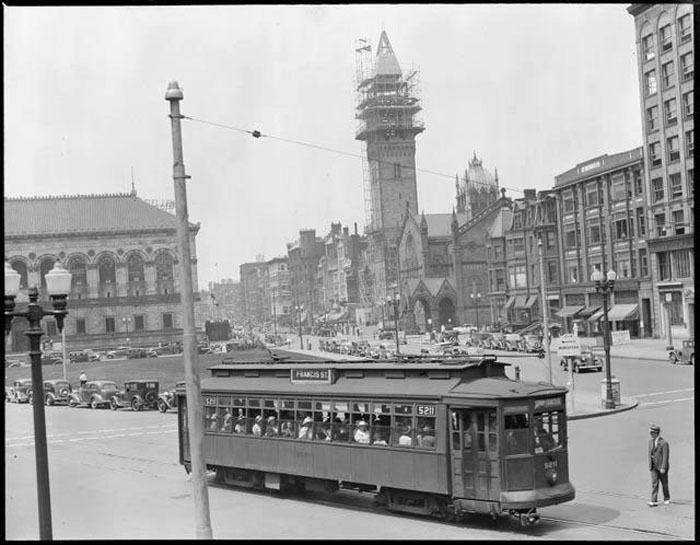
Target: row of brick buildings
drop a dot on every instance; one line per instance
(630, 211)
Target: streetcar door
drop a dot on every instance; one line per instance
(475, 466)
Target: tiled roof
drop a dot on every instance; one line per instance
(82, 214)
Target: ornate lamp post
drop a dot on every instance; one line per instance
(606, 284)
(58, 282)
(476, 298)
(395, 302)
(300, 309)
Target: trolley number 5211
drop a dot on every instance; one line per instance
(426, 410)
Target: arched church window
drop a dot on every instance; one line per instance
(78, 269)
(164, 266)
(106, 269)
(21, 268)
(135, 268)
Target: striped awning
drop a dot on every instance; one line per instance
(623, 312)
(567, 312)
(531, 301)
(509, 303)
(588, 311)
(597, 315)
(521, 301)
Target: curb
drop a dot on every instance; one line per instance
(603, 412)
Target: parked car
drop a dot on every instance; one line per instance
(56, 391)
(137, 394)
(50, 358)
(14, 363)
(586, 361)
(137, 353)
(531, 343)
(20, 391)
(120, 353)
(685, 355)
(168, 399)
(79, 356)
(511, 341)
(385, 334)
(95, 394)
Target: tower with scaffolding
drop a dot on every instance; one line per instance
(387, 114)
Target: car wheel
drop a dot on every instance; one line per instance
(30, 398)
(94, 403)
(692, 359)
(49, 400)
(136, 405)
(162, 407)
(113, 404)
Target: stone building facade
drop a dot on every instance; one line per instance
(123, 255)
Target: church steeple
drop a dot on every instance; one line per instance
(386, 62)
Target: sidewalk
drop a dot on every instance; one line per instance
(640, 349)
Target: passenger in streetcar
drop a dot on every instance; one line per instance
(307, 428)
(213, 419)
(323, 430)
(361, 434)
(406, 440)
(544, 440)
(427, 437)
(258, 426)
(239, 426)
(272, 429)
(226, 426)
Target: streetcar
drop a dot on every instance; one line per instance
(439, 437)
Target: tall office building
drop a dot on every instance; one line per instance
(665, 53)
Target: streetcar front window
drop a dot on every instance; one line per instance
(517, 428)
(548, 431)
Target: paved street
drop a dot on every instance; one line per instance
(128, 484)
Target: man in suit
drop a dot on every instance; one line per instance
(658, 465)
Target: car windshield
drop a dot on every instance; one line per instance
(109, 385)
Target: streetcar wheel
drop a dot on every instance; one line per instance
(162, 407)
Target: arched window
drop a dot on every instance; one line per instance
(106, 269)
(134, 268)
(46, 265)
(21, 268)
(164, 266)
(78, 268)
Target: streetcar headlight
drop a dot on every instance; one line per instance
(551, 476)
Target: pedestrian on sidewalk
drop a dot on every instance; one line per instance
(658, 465)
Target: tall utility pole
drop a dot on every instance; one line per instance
(195, 412)
(545, 311)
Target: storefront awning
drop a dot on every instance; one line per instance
(531, 301)
(567, 312)
(509, 303)
(521, 301)
(588, 312)
(623, 312)
(597, 315)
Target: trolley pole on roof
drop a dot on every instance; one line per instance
(545, 311)
(195, 412)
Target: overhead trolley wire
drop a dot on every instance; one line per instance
(257, 134)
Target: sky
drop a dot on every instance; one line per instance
(532, 89)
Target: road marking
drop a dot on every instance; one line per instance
(645, 404)
(664, 393)
(94, 437)
(51, 436)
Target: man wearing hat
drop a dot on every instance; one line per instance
(658, 465)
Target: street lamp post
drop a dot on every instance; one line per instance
(58, 282)
(606, 284)
(299, 310)
(545, 311)
(476, 297)
(395, 302)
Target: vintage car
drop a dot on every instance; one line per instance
(137, 394)
(50, 358)
(168, 399)
(586, 361)
(685, 355)
(56, 391)
(95, 394)
(511, 341)
(530, 343)
(20, 391)
(117, 354)
(79, 356)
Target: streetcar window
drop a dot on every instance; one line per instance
(548, 431)
(287, 422)
(287, 404)
(239, 402)
(226, 420)
(239, 425)
(211, 419)
(253, 402)
(456, 431)
(304, 405)
(225, 401)
(403, 409)
(425, 432)
(517, 429)
(340, 430)
(270, 403)
(403, 434)
(381, 408)
(381, 429)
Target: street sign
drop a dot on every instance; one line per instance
(569, 345)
